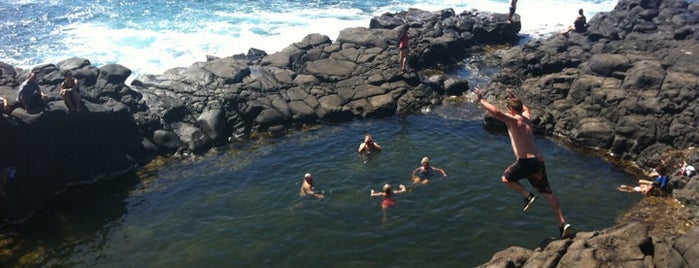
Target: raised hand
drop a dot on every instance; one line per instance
(479, 93)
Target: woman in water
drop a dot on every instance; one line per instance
(387, 194)
(422, 173)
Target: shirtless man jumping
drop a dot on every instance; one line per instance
(530, 163)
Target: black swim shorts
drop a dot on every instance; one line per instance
(531, 168)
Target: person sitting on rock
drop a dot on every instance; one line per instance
(70, 92)
(686, 170)
(579, 25)
(30, 95)
(4, 107)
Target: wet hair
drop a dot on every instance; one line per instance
(387, 189)
(515, 104)
(424, 160)
(580, 11)
(65, 72)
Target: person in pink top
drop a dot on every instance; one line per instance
(387, 194)
(529, 163)
(404, 47)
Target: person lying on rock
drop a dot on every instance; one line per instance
(658, 184)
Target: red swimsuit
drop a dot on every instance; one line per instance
(388, 202)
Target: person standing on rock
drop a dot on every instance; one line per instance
(513, 8)
(529, 163)
(404, 47)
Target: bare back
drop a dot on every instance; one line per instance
(306, 189)
(521, 134)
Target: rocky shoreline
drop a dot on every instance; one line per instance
(189, 110)
(627, 87)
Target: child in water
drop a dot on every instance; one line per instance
(387, 194)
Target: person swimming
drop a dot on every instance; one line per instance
(307, 188)
(387, 194)
(369, 145)
(424, 171)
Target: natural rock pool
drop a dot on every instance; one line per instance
(240, 207)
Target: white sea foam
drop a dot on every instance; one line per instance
(540, 18)
(155, 46)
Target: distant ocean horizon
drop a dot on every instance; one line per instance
(150, 37)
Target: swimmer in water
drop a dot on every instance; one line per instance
(387, 194)
(369, 145)
(422, 173)
(307, 188)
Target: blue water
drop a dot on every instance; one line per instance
(150, 37)
(241, 208)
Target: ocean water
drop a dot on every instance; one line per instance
(150, 37)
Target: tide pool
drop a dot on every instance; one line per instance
(241, 207)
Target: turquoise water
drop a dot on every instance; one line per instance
(241, 208)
